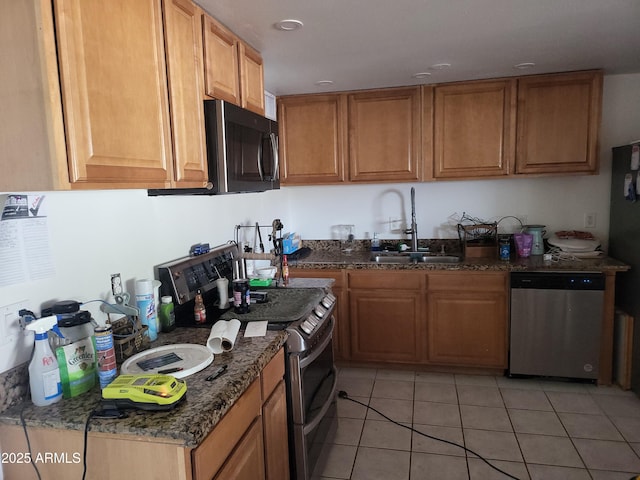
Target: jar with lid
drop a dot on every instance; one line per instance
(167, 314)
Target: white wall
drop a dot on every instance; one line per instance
(97, 233)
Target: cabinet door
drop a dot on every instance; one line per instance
(183, 34)
(341, 333)
(467, 329)
(251, 79)
(114, 93)
(558, 123)
(474, 129)
(247, 460)
(386, 311)
(221, 61)
(385, 326)
(384, 135)
(276, 437)
(312, 139)
(467, 319)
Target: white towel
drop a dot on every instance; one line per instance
(223, 335)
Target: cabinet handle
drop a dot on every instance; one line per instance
(260, 172)
(274, 152)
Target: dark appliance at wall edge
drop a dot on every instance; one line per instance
(242, 152)
(624, 241)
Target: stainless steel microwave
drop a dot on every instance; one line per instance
(242, 148)
(242, 152)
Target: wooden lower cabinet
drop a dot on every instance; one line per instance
(467, 319)
(247, 460)
(341, 333)
(276, 446)
(249, 443)
(386, 313)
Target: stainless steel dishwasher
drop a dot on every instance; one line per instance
(556, 321)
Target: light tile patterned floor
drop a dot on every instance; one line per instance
(534, 429)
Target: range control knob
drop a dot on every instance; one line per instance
(306, 327)
(328, 300)
(320, 311)
(313, 320)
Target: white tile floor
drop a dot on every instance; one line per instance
(532, 429)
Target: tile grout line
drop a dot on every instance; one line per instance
(524, 460)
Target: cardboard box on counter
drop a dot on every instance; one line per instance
(291, 242)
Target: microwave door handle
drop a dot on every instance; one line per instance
(260, 172)
(274, 151)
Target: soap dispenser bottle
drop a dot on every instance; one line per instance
(375, 243)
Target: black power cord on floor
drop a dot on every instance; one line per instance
(344, 395)
(26, 435)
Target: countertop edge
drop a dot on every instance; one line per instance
(187, 425)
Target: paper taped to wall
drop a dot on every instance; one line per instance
(25, 247)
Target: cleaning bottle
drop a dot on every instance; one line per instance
(44, 376)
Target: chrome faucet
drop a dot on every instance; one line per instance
(413, 231)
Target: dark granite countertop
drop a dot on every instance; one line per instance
(188, 423)
(361, 259)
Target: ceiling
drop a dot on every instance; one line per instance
(361, 44)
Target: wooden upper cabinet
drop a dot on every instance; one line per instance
(183, 35)
(384, 135)
(312, 139)
(114, 93)
(251, 79)
(558, 123)
(474, 129)
(233, 70)
(221, 61)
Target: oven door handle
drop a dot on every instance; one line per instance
(323, 411)
(318, 349)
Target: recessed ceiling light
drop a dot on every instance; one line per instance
(524, 65)
(324, 83)
(288, 25)
(421, 75)
(439, 66)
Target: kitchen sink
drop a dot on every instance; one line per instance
(412, 257)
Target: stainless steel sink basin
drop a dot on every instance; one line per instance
(412, 257)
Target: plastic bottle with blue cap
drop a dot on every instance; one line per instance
(44, 376)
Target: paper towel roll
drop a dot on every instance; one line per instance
(223, 335)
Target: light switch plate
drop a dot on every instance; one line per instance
(15, 345)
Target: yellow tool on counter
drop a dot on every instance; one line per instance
(146, 392)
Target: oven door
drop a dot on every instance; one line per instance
(313, 380)
(313, 385)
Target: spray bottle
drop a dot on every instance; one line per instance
(44, 376)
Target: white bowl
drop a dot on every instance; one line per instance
(267, 272)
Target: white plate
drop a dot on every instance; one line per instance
(193, 358)
(574, 244)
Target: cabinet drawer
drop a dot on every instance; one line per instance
(272, 374)
(387, 280)
(468, 281)
(214, 450)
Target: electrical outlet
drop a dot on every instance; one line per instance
(14, 345)
(395, 224)
(590, 220)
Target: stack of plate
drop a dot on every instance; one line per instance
(579, 244)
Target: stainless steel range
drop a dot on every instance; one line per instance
(307, 316)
